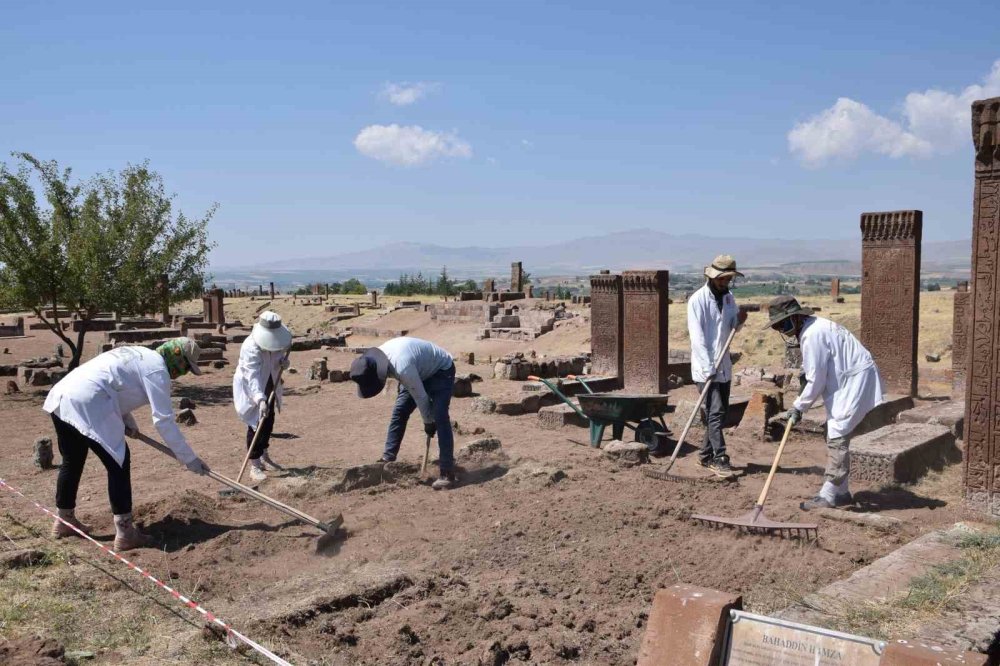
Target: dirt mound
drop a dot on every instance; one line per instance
(32, 651)
(179, 507)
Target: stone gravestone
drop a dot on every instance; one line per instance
(606, 323)
(516, 277)
(890, 294)
(272, 291)
(835, 288)
(645, 362)
(982, 402)
(959, 340)
(213, 309)
(489, 285)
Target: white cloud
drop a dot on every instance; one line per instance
(406, 93)
(933, 121)
(409, 145)
(527, 144)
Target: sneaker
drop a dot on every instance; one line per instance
(720, 465)
(257, 473)
(385, 459)
(816, 503)
(60, 530)
(127, 535)
(267, 462)
(446, 481)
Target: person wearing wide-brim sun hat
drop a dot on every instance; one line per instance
(712, 314)
(91, 409)
(839, 369)
(262, 356)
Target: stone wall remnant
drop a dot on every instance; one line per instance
(645, 360)
(516, 276)
(981, 474)
(606, 322)
(890, 294)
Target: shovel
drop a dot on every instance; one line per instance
(329, 528)
(756, 522)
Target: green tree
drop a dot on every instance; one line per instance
(95, 247)
(445, 285)
(353, 286)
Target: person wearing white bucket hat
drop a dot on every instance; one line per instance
(262, 356)
(712, 314)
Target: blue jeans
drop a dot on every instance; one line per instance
(438, 387)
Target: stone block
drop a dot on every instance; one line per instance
(43, 453)
(922, 653)
(484, 405)
(337, 376)
(186, 417)
(763, 405)
(628, 454)
(462, 387)
(902, 453)
(950, 413)
(318, 370)
(530, 404)
(557, 416)
(687, 625)
(484, 445)
(509, 408)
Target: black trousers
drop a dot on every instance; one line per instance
(266, 427)
(714, 417)
(73, 447)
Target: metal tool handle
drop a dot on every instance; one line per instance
(578, 378)
(552, 387)
(774, 465)
(250, 492)
(701, 399)
(271, 399)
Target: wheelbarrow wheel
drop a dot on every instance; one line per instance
(646, 433)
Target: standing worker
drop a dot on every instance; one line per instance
(426, 375)
(839, 369)
(91, 410)
(712, 314)
(262, 356)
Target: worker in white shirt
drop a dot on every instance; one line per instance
(91, 410)
(262, 356)
(712, 314)
(839, 369)
(426, 375)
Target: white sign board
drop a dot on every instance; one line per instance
(758, 640)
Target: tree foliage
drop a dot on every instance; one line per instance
(94, 247)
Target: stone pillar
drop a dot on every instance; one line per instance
(959, 340)
(835, 288)
(516, 277)
(272, 291)
(606, 322)
(489, 285)
(644, 331)
(890, 294)
(982, 397)
(374, 298)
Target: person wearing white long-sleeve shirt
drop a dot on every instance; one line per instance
(712, 314)
(262, 357)
(842, 372)
(426, 375)
(91, 409)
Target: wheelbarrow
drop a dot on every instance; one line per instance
(640, 413)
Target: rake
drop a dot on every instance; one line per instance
(756, 522)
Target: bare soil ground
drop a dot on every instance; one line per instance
(547, 553)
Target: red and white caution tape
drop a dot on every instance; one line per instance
(231, 634)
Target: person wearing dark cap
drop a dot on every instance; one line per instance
(839, 369)
(426, 375)
(712, 314)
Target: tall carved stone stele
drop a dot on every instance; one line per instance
(835, 288)
(982, 397)
(960, 340)
(890, 294)
(644, 359)
(606, 322)
(516, 277)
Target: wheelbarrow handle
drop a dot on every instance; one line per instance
(578, 378)
(562, 396)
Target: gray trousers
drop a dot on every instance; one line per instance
(838, 460)
(713, 415)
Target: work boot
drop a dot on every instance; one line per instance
(720, 465)
(266, 462)
(60, 530)
(257, 472)
(127, 535)
(446, 481)
(386, 459)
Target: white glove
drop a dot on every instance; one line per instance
(264, 409)
(197, 466)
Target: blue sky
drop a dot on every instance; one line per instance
(328, 127)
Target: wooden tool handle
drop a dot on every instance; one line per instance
(774, 465)
(271, 399)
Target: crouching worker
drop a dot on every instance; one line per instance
(426, 375)
(839, 369)
(262, 357)
(91, 410)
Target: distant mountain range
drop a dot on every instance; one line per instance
(636, 249)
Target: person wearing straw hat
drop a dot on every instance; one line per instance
(262, 356)
(712, 314)
(91, 409)
(839, 369)
(426, 375)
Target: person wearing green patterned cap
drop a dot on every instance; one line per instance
(91, 409)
